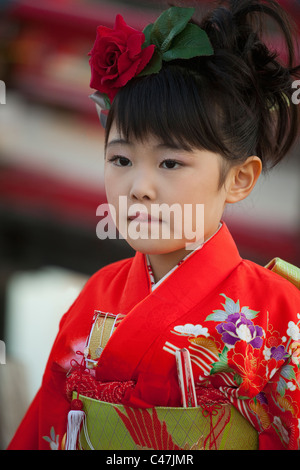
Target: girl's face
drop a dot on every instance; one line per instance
(149, 174)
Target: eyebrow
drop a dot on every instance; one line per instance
(162, 145)
(170, 145)
(118, 141)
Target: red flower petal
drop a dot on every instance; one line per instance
(102, 31)
(121, 25)
(147, 54)
(134, 44)
(129, 71)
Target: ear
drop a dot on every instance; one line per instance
(242, 178)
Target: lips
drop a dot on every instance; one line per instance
(143, 217)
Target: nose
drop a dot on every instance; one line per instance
(143, 187)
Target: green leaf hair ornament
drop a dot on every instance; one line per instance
(175, 38)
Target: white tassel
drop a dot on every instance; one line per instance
(75, 420)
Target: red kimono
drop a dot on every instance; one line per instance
(239, 321)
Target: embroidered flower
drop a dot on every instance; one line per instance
(295, 352)
(293, 331)
(261, 397)
(279, 353)
(192, 330)
(117, 56)
(267, 353)
(291, 386)
(239, 328)
(246, 361)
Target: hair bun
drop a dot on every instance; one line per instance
(238, 25)
(236, 29)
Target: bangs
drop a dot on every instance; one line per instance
(175, 105)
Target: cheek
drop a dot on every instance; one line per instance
(196, 192)
(111, 183)
(115, 195)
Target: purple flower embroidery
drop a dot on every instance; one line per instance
(261, 397)
(278, 353)
(239, 328)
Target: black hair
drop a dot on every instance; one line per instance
(237, 102)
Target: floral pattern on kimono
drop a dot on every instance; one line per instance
(257, 368)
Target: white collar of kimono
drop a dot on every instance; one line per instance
(154, 284)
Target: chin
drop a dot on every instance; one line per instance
(158, 247)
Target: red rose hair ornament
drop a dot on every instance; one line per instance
(122, 53)
(117, 56)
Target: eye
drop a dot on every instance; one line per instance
(170, 164)
(120, 161)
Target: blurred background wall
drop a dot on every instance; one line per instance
(51, 182)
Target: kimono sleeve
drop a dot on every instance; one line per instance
(259, 366)
(277, 405)
(281, 423)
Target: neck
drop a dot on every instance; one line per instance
(161, 264)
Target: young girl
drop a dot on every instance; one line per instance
(193, 114)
